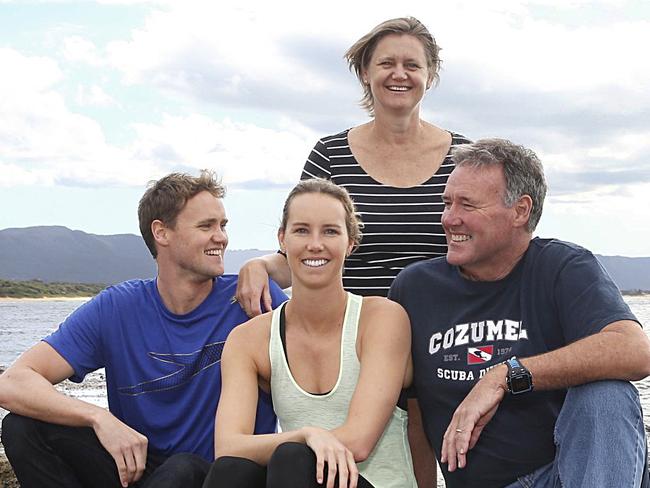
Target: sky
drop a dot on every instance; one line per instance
(99, 98)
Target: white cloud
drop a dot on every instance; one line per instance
(94, 96)
(42, 140)
(79, 49)
(239, 152)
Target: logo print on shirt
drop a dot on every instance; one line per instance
(480, 354)
(186, 367)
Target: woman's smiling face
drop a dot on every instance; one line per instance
(397, 72)
(315, 238)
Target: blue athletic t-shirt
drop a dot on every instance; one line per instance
(163, 373)
(557, 294)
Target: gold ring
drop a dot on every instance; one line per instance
(459, 431)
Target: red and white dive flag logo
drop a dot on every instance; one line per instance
(481, 354)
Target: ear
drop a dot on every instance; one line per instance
(364, 76)
(350, 248)
(281, 240)
(522, 208)
(160, 233)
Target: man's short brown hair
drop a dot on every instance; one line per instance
(166, 197)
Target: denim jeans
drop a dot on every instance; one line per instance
(600, 440)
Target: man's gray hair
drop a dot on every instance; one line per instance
(522, 168)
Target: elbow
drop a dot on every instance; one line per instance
(220, 448)
(361, 450)
(643, 368)
(360, 455)
(6, 388)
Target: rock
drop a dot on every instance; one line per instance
(7, 477)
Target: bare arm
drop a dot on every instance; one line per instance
(385, 370)
(26, 388)
(424, 460)
(253, 283)
(235, 420)
(620, 351)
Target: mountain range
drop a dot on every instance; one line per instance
(56, 253)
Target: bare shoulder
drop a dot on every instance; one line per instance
(248, 344)
(379, 305)
(383, 317)
(252, 334)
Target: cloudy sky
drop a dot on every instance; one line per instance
(97, 98)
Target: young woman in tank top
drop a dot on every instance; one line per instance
(335, 364)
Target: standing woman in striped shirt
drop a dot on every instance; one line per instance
(394, 167)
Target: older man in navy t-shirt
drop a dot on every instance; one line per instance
(516, 341)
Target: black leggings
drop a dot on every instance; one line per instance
(45, 455)
(292, 465)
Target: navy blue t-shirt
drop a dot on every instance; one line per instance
(557, 294)
(163, 370)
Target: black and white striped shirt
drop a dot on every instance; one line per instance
(401, 225)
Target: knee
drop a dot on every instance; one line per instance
(292, 454)
(587, 405)
(599, 398)
(186, 469)
(235, 472)
(16, 431)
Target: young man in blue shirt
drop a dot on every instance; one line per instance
(160, 342)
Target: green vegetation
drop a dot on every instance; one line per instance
(40, 289)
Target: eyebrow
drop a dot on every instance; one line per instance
(212, 221)
(307, 224)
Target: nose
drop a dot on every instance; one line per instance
(450, 216)
(220, 236)
(399, 73)
(315, 243)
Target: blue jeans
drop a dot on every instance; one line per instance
(600, 440)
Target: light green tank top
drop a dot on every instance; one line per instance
(389, 465)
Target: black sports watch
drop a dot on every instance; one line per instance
(519, 379)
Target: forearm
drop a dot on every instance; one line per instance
(277, 269)
(256, 447)
(27, 393)
(619, 352)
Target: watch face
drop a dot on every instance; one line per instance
(520, 384)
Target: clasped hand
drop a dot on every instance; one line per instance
(339, 459)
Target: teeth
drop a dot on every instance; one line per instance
(460, 237)
(213, 252)
(314, 263)
(398, 88)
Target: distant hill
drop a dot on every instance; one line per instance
(55, 253)
(628, 273)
